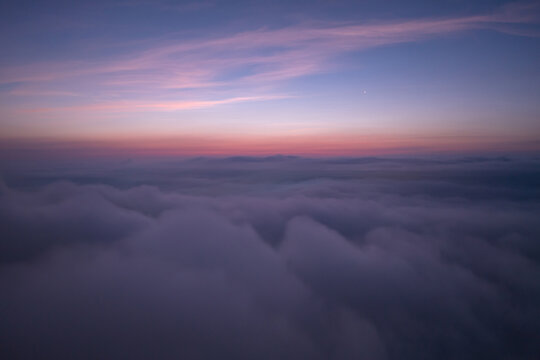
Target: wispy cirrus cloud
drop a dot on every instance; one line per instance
(157, 106)
(237, 66)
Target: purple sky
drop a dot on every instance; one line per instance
(320, 78)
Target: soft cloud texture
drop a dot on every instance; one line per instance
(218, 69)
(277, 257)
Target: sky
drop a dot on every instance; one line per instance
(321, 78)
(323, 179)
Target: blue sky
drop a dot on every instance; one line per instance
(459, 74)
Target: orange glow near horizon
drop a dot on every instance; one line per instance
(303, 145)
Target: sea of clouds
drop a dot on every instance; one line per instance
(271, 258)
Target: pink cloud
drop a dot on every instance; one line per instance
(130, 106)
(267, 56)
